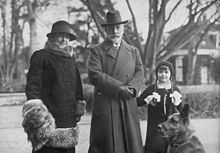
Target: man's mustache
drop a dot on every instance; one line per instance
(114, 35)
(63, 42)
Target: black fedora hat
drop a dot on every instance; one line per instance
(62, 27)
(113, 18)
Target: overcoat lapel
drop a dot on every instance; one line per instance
(112, 52)
(121, 53)
(109, 49)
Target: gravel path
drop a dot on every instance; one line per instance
(13, 138)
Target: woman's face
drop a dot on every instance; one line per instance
(164, 74)
(115, 33)
(61, 39)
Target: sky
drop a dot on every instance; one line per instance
(139, 7)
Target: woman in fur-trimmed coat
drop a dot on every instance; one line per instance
(54, 78)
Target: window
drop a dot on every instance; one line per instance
(179, 68)
(214, 37)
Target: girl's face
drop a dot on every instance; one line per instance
(61, 39)
(164, 74)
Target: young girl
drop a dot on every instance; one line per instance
(162, 99)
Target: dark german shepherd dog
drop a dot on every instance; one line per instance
(179, 134)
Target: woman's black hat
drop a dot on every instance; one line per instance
(62, 27)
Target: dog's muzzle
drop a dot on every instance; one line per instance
(161, 130)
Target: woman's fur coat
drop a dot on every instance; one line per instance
(41, 130)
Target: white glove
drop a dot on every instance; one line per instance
(176, 98)
(149, 99)
(156, 96)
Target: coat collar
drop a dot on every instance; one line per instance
(112, 51)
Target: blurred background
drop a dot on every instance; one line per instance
(184, 32)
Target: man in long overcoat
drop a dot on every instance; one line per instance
(116, 71)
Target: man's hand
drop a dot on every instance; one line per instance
(80, 110)
(125, 93)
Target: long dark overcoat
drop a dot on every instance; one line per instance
(115, 126)
(55, 79)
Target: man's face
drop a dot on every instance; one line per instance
(61, 39)
(115, 32)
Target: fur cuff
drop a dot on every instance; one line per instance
(64, 137)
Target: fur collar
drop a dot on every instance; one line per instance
(55, 49)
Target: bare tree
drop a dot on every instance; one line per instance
(97, 9)
(154, 51)
(4, 53)
(193, 47)
(21, 11)
(34, 8)
(12, 40)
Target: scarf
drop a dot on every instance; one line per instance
(55, 49)
(167, 86)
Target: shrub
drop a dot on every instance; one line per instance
(203, 105)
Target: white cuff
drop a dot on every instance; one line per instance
(148, 99)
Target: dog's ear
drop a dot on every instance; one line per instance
(185, 113)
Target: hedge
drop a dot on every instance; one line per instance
(202, 105)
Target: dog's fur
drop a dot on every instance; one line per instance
(41, 130)
(179, 133)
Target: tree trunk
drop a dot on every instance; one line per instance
(4, 53)
(33, 36)
(191, 65)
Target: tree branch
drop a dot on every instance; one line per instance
(135, 26)
(203, 9)
(174, 8)
(94, 15)
(181, 42)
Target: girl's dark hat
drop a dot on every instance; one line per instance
(113, 18)
(168, 64)
(62, 27)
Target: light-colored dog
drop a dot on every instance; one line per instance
(41, 130)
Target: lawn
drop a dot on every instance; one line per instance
(13, 138)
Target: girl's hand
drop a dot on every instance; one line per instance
(156, 96)
(152, 99)
(176, 98)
